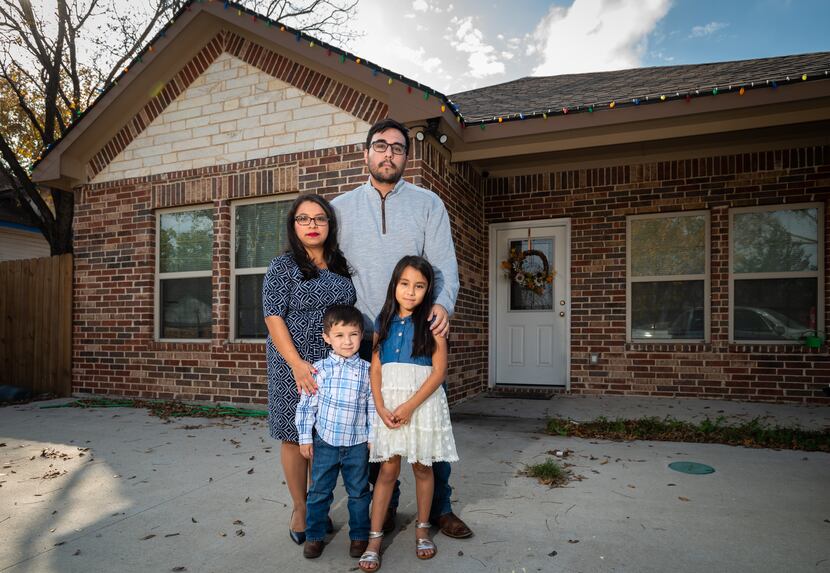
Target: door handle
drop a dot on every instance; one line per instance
(562, 313)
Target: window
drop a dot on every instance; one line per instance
(668, 277)
(776, 272)
(183, 289)
(258, 237)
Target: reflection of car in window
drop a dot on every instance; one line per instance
(750, 323)
(766, 324)
(688, 324)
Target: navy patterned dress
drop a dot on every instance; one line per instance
(301, 304)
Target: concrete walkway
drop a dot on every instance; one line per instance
(118, 490)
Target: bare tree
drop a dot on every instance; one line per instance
(53, 64)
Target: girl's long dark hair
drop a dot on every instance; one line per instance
(335, 261)
(423, 343)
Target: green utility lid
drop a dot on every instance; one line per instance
(692, 468)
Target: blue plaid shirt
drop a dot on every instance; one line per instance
(342, 410)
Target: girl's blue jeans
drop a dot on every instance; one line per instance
(329, 461)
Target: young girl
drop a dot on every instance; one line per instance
(409, 364)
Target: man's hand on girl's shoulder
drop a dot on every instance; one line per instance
(440, 319)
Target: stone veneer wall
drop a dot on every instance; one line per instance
(598, 200)
(235, 101)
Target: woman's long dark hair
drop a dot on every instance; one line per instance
(332, 255)
(423, 343)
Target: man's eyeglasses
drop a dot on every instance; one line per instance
(305, 220)
(380, 146)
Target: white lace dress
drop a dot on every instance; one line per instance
(427, 438)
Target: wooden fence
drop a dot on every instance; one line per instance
(36, 324)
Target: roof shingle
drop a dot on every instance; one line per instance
(573, 91)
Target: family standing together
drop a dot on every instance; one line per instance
(358, 312)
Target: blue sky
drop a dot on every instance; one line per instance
(466, 44)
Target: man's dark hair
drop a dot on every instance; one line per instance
(385, 124)
(342, 314)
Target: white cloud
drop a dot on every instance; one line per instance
(426, 6)
(594, 36)
(482, 60)
(707, 30)
(402, 53)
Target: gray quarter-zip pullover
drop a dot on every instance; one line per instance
(375, 232)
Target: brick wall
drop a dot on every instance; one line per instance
(459, 186)
(114, 351)
(598, 200)
(235, 101)
(113, 315)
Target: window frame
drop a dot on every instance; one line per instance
(233, 334)
(706, 276)
(180, 275)
(818, 273)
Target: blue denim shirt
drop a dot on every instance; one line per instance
(398, 344)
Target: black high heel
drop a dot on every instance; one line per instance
(297, 537)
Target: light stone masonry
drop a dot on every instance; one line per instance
(233, 112)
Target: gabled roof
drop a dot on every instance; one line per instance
(153, 75)
(578, 92)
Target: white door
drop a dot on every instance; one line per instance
(530, 319)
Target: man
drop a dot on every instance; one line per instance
(380, 222)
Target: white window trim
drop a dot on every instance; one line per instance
(819, 273)
(250, 271)
(181, 275)
(706, 276)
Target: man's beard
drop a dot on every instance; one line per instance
(393, 177)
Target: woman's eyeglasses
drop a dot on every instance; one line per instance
(305, 220)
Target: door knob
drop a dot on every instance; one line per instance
(562, 313)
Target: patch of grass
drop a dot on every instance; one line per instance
(548, 472)
(751, 434)
(167, 408)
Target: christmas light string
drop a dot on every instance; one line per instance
(445, 102)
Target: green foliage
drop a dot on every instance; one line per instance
(751, 434)
(548, 472)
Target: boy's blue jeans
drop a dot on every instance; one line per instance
(353, 463)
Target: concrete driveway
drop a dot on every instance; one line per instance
(118, 490)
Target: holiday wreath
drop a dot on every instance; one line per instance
(536, 281)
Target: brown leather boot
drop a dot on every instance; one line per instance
(452, 526)
(313, 549)
(357, 547)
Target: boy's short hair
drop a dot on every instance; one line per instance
(342, 314)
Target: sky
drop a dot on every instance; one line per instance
(458, 45)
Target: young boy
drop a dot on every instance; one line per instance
(334, 427)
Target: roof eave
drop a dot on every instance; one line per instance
(715, 114)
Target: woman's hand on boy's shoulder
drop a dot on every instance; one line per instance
(304, 378)
(440, 319)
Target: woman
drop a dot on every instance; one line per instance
(298, 288)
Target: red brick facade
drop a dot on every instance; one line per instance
(597, 201)
(114, 351)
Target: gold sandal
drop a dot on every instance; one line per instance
(372, 557)
(424, 543)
